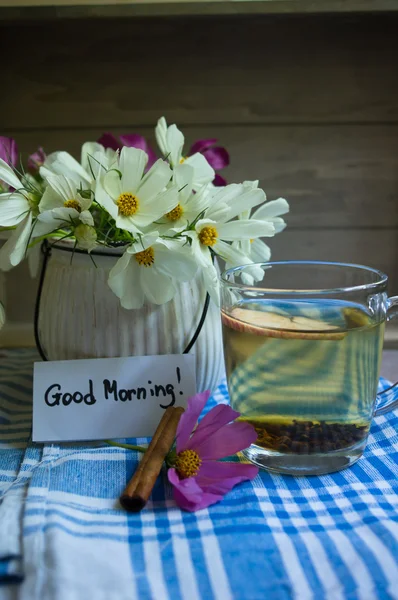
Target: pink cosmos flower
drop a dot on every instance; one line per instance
(216, 156)
(8, 150)
(36, 160)
(199, 480)
(9, 153)
(131, 140)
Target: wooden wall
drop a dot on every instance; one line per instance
(309, 105)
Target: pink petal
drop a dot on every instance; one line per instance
(188, 495)
(189, 418)
(133, 140)
(202, 145)
(227, 441)
(218, 158)
(219, 181)
(216, 418)
(8, 150)
(108, 140)
(36, 159)
(219, 477)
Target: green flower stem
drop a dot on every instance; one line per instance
(48, 235)
(126, 446)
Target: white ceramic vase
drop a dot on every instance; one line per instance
(80, 317)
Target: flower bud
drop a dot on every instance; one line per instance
(86, 237)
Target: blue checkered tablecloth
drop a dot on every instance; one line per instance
(63, 535)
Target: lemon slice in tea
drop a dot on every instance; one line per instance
(275, 325)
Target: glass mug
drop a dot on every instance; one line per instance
(303, 343)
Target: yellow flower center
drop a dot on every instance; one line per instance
(176, 213)
(128, 204)
(208, 236)
(182, 160)
(146, 258)
(188, 463)
(72, 204)
(251, 241)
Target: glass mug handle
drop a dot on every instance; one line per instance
(392, 312)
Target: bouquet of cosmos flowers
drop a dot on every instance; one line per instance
(167, 216)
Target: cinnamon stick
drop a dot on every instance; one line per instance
(140, 486)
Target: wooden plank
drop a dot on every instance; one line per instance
(370, 248)
(339, 177)
(42, 9)
(247, 70)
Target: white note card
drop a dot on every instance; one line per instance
(107, 398)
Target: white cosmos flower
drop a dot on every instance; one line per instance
(62, 203)
(133, 199)
(190, 203)
(148, 270)
(17, 209)
(171, 143)
(217, 228)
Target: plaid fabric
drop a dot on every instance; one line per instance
(63, 535)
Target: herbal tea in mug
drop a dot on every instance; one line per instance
(303, 362)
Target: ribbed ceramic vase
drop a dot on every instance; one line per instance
(80, 317)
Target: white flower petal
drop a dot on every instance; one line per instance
(230, 254)
(279, 224)
(201, 253)
(243, 246)
(13, 209)
(274, 208)
(123, 281)
(161, 134)
(8, 175)
(132, 164)
(51, 199)
(238, 230)
(86, 217)
(259, 251)
(245, 201)
(62, 163)
(204, 173)
(154, 181)
(89, 150)
(43, 227)
(175, 260)
(112, 184)
(61, 215)
(174, 144)
(211, 283)
(128, 224)
(183, 179)
(103, 198)
(14, 250)
(146, 240)
(252, 185)
(157, 286)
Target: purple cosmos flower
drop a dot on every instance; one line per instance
(198, 478)
(9, 153)
(216, 156)
(8, 150)
(131, 140)
(36, 160)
